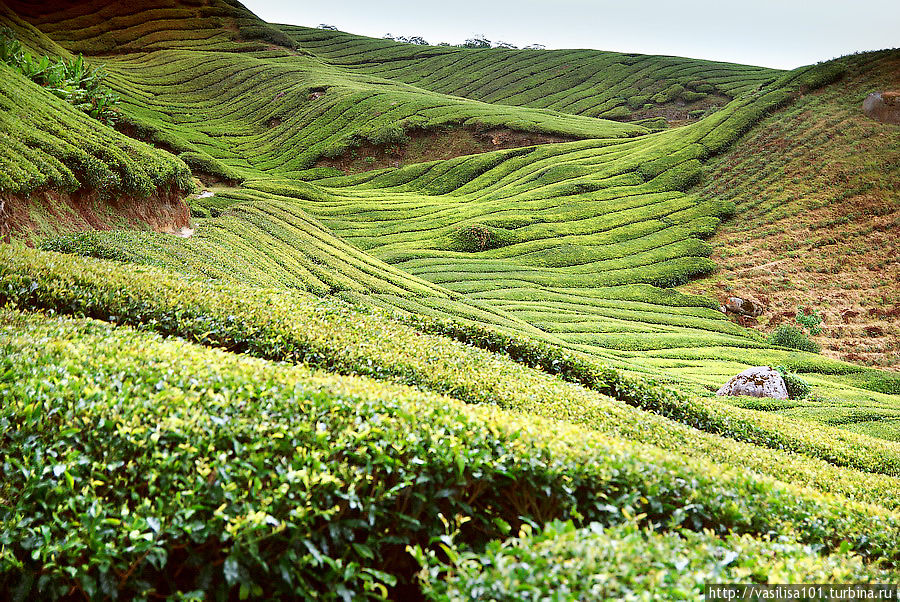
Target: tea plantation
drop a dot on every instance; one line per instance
(455, 379)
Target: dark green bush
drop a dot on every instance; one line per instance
(669, 94)
(689, 96)
(797, 387)
(636, 102)
(793, 338)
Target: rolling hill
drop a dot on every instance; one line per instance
(425, 302)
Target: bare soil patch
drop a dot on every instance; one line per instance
(431, 145)
(678, 112)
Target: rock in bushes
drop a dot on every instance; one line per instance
(744, 307)
(760, 381)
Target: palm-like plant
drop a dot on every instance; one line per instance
(71, 80)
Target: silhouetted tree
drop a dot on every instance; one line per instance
(477, 42)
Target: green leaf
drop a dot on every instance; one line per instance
(364, 550)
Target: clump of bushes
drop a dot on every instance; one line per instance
(636, 102)
(689, 96)
(669, 94)
(563, 562)
(478, 237)
(797, 388)
(793, 338)
(315, 506)
(69, 79)
(203, 163)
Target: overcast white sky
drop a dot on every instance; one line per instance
(773, 33)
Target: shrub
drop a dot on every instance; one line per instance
(244, 320)
(700, 86)
(669, 94)
(793, 338)
(810, 321)
(478, 237)
(277, 481)
(565, 563)
(689, 96)
(205, 164)
(636, 102)
(797, 387)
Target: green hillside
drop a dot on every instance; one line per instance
(358, 385)
(608, 85)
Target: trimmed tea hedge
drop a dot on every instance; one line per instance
(281, 325)
(139, 466)
(626, 562)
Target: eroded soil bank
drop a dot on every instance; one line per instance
(431, 145)
(49, 212)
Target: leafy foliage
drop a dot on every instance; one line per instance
(478, 237)
(285, 326)
(229, 466)
(69, 79)
(477, 42)
(367, 367)
(792, 337)
(797, 387)
(810, 321)
(625, 562)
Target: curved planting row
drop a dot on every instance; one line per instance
(46, 143)
(200, 471)
(582, 82)
(280, 324)
(109, 27)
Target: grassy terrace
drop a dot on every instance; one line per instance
(199, 484)
(339, 373)
(46, 143)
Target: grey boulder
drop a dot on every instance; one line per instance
(760, 381)
(883, 107)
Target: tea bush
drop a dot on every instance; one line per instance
(284, 325)
(625, 562)
(212, 474)
(797, 387)
(69, 79)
